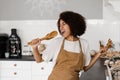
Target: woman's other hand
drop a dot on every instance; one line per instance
(103, 49)
(41, 48)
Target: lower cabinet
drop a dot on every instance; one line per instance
(17, 70)
(41, 71)
(24, 70)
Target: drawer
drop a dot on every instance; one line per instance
(26, 75)
(15, 73)
(16, 64)
(43, 68)
(10, 73)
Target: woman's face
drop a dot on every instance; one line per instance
(64, 29)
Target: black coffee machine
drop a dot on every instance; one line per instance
(3, 44)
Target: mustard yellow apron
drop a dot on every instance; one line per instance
(68, 65)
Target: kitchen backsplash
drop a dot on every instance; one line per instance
(30, 29)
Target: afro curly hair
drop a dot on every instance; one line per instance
(75, 21)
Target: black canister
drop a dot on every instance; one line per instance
(14, 45)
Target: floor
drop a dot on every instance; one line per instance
(97, 72)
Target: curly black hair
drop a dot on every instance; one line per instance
(76, 22)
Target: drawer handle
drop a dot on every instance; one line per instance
(15, 73)
(42, 68)
(15, 65)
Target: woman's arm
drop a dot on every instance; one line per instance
(37, 55)
(96, 57)
(36, 52)
(92, 62)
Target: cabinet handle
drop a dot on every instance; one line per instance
(15, 73)
(42, 68)
(15, 65)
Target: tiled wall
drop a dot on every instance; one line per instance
(96, 30)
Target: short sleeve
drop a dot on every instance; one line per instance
(86, 50)
(87, 56)
(52, 50)
(48, 53)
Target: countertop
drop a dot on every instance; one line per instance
(23, 58)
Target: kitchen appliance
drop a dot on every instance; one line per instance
(3, 44)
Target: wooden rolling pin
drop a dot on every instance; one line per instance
(47, 37)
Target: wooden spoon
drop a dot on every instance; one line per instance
(109, 44)
(47, 37)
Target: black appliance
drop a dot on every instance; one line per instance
(3, 44)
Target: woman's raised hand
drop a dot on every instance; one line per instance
(35, 42)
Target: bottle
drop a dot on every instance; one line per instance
(14, 44)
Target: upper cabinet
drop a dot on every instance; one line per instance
(48, 9)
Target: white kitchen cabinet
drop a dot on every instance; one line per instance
(41, 71)
(17, 70)
(24, 70)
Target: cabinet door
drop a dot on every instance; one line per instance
(26, 75)
(15, 64)
(10, 73)
(20, 70)
(10, 64)
(41, 70)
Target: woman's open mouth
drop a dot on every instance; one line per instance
(62, 31)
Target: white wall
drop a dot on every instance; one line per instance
(103, 29)
(96, 30)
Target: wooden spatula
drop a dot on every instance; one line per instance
(107, 46)
(47, 37)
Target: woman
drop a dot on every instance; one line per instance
(70, 53)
